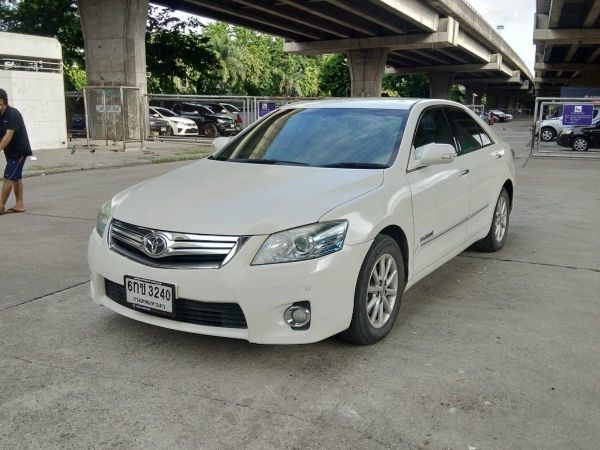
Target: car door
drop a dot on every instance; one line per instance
(595, 136)
(478, 154)
(440, 195)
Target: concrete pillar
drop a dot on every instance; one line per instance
(115, 49)
(511, 102)
(492, 100)
(440, 84)
(367, 67)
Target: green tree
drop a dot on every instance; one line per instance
(334, 80)
(55, 18)
(177, 56)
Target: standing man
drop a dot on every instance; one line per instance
(15, 144)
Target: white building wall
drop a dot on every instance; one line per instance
(39, 96)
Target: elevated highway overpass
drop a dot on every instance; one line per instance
(445, 39)
(567, 39)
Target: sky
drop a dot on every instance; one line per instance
(517, 18)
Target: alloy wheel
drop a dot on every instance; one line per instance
(500, 219)
(382, 292)
(547, 134)
(580, 145)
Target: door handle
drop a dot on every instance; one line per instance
(499, 154)
(463, 172)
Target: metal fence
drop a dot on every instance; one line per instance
(113, 113)
(31, 65)
(549, 124)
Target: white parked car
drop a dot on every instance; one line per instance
(179, 126)
(551, 128)
(313, 221)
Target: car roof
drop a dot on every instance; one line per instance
(372, 103)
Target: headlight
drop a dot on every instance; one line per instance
(103, 217)
(222, 120)
(567, 131)
(298, 244)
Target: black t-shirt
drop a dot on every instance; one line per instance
(19, 144)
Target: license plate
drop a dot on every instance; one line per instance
(150, 296)
(163, 128)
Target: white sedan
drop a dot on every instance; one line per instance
(312, 222)
(178, 126)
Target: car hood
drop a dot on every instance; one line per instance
(227, 198)
(182, 120)
(219, 116)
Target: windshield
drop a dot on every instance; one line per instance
(326, 137)
(166, 112)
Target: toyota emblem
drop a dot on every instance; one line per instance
(155, 245)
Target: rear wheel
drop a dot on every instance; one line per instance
(496, 237)
(548, 134)
(378, 293)
(210, 130)
(580, 145)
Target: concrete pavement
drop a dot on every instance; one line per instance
(492, 351)
(78, 156)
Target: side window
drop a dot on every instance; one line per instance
(468, 133)
(433, 128)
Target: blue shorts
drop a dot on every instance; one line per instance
(14, 168)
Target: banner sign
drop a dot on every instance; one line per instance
(265, 108)
(578, 115)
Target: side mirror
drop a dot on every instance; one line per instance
(432, 154)
(220, 142)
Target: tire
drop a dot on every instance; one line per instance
(210, 130)
(580, 145)
(369, 326)
(496, 238)
(170, 131)
(547, 134)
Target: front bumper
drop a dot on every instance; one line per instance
(263, 292)
(226, 129)
(565, 140)
(186, 130)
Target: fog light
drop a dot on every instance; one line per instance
(298, 315)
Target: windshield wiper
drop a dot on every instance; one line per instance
(357, 165)
(268, 161)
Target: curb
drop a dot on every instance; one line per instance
(119, 166)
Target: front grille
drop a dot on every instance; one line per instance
(183, 250)
(223, 315)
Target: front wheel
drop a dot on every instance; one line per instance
(496, 237)
(378, 293)
(548, 134)
(580, 145)
(210, 130)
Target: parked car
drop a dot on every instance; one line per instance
(500, 115)
(209, 123)
(551, 128)
(221, 108)
(178, 126)
(312, 222)
(236, 114)
(580, 139)
(158, 125)
(486, 117)
(78, 125)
